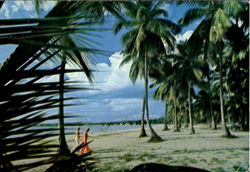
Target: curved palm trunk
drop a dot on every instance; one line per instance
(192, 131)
(63, 147)
(175, 117)
(223, 122)
(165, 118)
(154, 137)
(143, 131)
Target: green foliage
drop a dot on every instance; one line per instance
(220, 20)
(127, 157)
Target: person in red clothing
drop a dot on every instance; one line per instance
(85, 140)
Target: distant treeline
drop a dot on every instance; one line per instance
(135, 122)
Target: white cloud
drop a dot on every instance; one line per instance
(5, 10)
(185, 36)
(14, 8)
(48, 5)
(121, 104)
(165, 6)
(27, 5)
(109, 78)
(118, 99)
(119, 76)
(117, 109)
(179, 38)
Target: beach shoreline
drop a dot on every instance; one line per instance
(117, 151)
(121, 150)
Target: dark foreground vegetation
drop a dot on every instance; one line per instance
(202, 79)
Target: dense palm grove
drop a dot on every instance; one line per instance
(202, 79)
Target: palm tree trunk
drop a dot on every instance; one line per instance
(192, 131)
(154, 136)
(63, 147)
(175, 116)
(223, 122)
(179, 119)
(165, 118)
(213, 124)
(143, 131)
(186, 116)
(172, 117)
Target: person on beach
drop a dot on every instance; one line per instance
(85, 140)
(77, 136)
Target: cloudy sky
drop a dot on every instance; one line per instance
(117, 98)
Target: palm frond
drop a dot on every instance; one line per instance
(26, 95)
(192, 15)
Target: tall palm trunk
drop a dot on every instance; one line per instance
(192, 131)
(154, 136)
(179, 119)
(175, 116)
(213, 124)
(63, 147)
(186, 116)
(165, 118)
(223, 122)
(143, 131)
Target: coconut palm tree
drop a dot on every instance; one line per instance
(168, 90)
(236, 81)
(159, 94)
(187, 68)
(202, 104)
(216, 20)
(93, 12)
(143, 43)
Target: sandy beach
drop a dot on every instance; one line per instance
(122, 150)
(206, 149)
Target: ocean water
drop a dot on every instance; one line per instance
(94, 129)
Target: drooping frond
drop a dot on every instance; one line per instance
(192, 15)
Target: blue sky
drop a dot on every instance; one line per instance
(118, 99)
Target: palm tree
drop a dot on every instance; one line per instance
(202, 104)
(143, 43)
(160, 94)
(168, 89)
(92, 12)
(237, 47)
(186, 67)
(166, 118)
(215, 21)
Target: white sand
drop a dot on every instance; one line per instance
(206, 149)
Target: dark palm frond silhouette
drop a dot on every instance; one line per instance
(26, 94)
